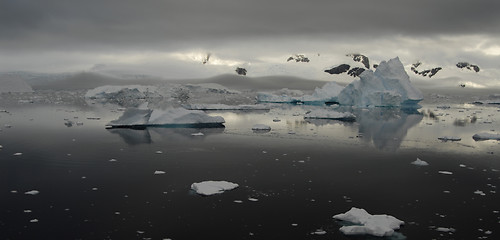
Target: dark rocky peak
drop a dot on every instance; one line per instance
(360, 58)
(298, 58)
(468, 66)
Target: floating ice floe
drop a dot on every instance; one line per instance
(213, 187)
(420, 162)
(389, 85)
(329, 114)
(32, 192)
(449, 138)
(261, 127)
(17, 154)
(486, 136)
(197, 134)
(1, 146)
(365, 223)
(173, 117)
(226, 107)
(445, 229)
(445, 172)
(157, 172)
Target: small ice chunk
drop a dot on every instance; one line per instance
(479, 192)
(319, 232)
(419, 162)
(486, 136)
(197, 134)
(1, 146)
(445, 172)
(449, 138)
(27, 211)
(34, 220)
(238, 201)
(158, 152)
(213, 187)
(261, 127)
(112, 160)
(365, 223)
(157, 172)
(32, 192)
(445, 229)
(253, 199)
(17, 154)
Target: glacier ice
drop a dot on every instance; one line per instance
(389, 85)
(365, 223)
(327, 93)
(208, 188)
(172, 117)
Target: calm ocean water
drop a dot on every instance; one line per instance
(97, 183)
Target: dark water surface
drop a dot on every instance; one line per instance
(302, 173)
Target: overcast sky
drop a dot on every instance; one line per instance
(169, 38)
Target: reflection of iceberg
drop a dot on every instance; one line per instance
(386, 127)
(173, 117)
(133, 136)
(148, 135)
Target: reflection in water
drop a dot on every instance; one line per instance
(386, 127)
(147, 135)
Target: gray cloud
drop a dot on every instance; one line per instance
(162, 24)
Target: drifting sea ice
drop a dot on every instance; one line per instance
(486, 136)
(32, 192)
(330, 114)
(419, 162)
(449, 138)
(376, 225)
(208, 188)
(261, 127)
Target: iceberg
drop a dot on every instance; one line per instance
(173, 117)
(330, 114)
(208, 188)
(388, 86)
(420, 162)
(486, 136)
(365, 223)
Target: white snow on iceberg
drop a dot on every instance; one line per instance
(208, 188)
(389, 85)
(173, 117)
(330, 114)
(376, 225)
(486, 136)
(109, 92)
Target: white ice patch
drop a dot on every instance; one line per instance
(330, 114)
(389, 85)
(445, 172)
(328, 93)
(130, 91)
(157, 172)
(376, 225)
(208, 188)
(32, 192)
(486, 136)
(197, 134)
(420, 162)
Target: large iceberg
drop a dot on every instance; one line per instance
(172, 117)
(389, 85)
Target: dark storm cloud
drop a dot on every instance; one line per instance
(145, 24)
